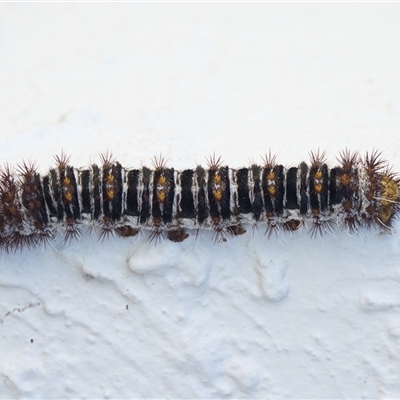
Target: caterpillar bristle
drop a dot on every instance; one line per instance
(10, 215)
(348, 159)
(18, 241)
(269, 160)
(6, 175)
(213, 162)
(273, 228)
(107, 228)
(27, 169)
(351, 224)
(320, 225)
(159, 163)
(220, 232)
(157, 232)
(317, 158)
(73, 231)
(43, 235)
(62, 161)
(107, 159)
(374, 161)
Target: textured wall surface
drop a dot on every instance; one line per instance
(289, 317)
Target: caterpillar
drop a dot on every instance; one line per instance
(360, 192)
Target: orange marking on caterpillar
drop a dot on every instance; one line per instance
(344, 180)
(162, 188)
(271, 175)
(68, 197)
(318, 187)
(272, 190)
(110, 193)
(318, 175)
(217, 187)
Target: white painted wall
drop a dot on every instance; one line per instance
(252, 318)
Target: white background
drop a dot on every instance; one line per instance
(292, 317)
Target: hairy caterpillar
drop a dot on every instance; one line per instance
(359, 192)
